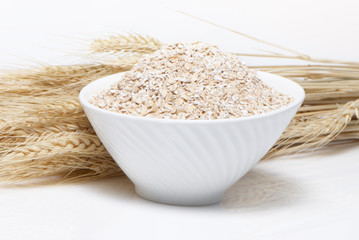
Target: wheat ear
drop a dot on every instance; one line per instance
(310, 133)
(132, 43)
(57, 153)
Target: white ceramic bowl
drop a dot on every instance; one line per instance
(188, 162)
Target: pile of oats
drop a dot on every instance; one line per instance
(190, 81)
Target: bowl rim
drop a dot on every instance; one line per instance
(297, 101)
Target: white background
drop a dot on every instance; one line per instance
(312, 196)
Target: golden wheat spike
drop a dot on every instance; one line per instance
(132, 43)
(55, 76)
(52, 153)
(308, 133)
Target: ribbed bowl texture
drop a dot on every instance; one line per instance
(188, 162)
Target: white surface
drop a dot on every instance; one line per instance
(306, 197)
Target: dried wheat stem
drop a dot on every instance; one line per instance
(55, 80)
(299, 57)
(314, 109)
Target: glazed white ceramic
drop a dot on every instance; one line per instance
(188, 162)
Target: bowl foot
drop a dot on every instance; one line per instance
(198, 200)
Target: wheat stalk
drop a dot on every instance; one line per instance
(316, 130)
(54, 80)
(133, 43)
(44, 114)
(44, 131)
(56, 153)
